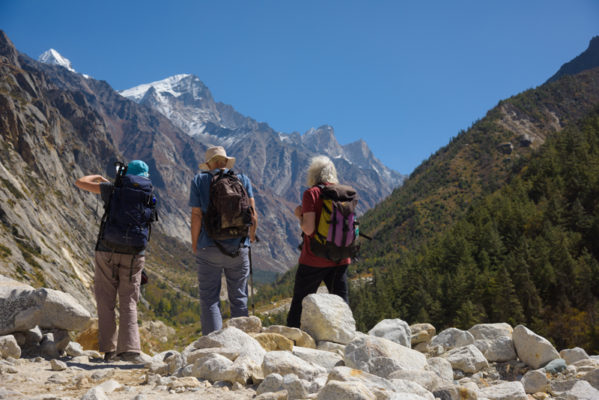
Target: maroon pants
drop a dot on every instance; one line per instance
(118, 274)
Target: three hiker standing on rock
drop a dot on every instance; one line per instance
(223, 226)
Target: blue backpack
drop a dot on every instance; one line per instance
(126, 224)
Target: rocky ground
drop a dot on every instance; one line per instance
(325, 360)
(36, 378)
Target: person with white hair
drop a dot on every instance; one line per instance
(312, 269)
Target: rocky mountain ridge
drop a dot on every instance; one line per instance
(189, 104)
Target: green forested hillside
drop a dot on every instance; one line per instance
(526, 253)
(474, 235)
(473, 164)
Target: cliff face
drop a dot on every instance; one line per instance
(48, 138)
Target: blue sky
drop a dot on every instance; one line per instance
(405, 76)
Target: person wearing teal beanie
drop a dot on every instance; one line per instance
(139, 168)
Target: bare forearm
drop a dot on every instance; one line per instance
(196, 226)
(91, 183)
(254, 226)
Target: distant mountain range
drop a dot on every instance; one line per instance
(189, 104)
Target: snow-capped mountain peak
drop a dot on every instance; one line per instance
(53, 57)
(175, 85)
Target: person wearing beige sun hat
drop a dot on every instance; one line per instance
(215, 153)
(222, 246)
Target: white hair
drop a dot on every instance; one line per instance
(321, 170)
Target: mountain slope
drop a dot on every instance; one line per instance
(499, 224)
(478, 161)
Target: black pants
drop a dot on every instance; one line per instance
(307, 280)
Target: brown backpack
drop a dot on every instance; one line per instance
(229, 214)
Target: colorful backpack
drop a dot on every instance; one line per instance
(335, 236)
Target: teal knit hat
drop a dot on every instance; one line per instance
(138, 167)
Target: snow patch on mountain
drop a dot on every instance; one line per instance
(53, 57)
(167, 85)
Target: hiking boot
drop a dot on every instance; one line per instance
(110, 356)
(131, 357)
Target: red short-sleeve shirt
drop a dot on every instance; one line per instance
(311, 202)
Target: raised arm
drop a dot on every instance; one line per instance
(91, 183)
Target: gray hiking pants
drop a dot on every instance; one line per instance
(118, 274)
(211, 264)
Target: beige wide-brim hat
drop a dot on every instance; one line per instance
(217, 151)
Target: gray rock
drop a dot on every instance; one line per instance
(427, 379)
(244, 370)
(405, 386)
(491, 331)
(532, 349)
(9, 347)
(296, 388)
(212, 367)
(157, 367)
(468, 359)
(380, 356)
(271, 383)
(57, 365)
(504, 391)
(441, 367)
(23, 308)
(199, 353)
(325, 359)
(338, 390)
(74, 349)
(251, 324)
(535, 381)
(451, 338)
(499, 349)
(573, 355)
(581, 390)
(328, 317)
(592, 377)
(231, 339)
(332, 347)
(283, 363)
(396, 330)
(380, 387)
